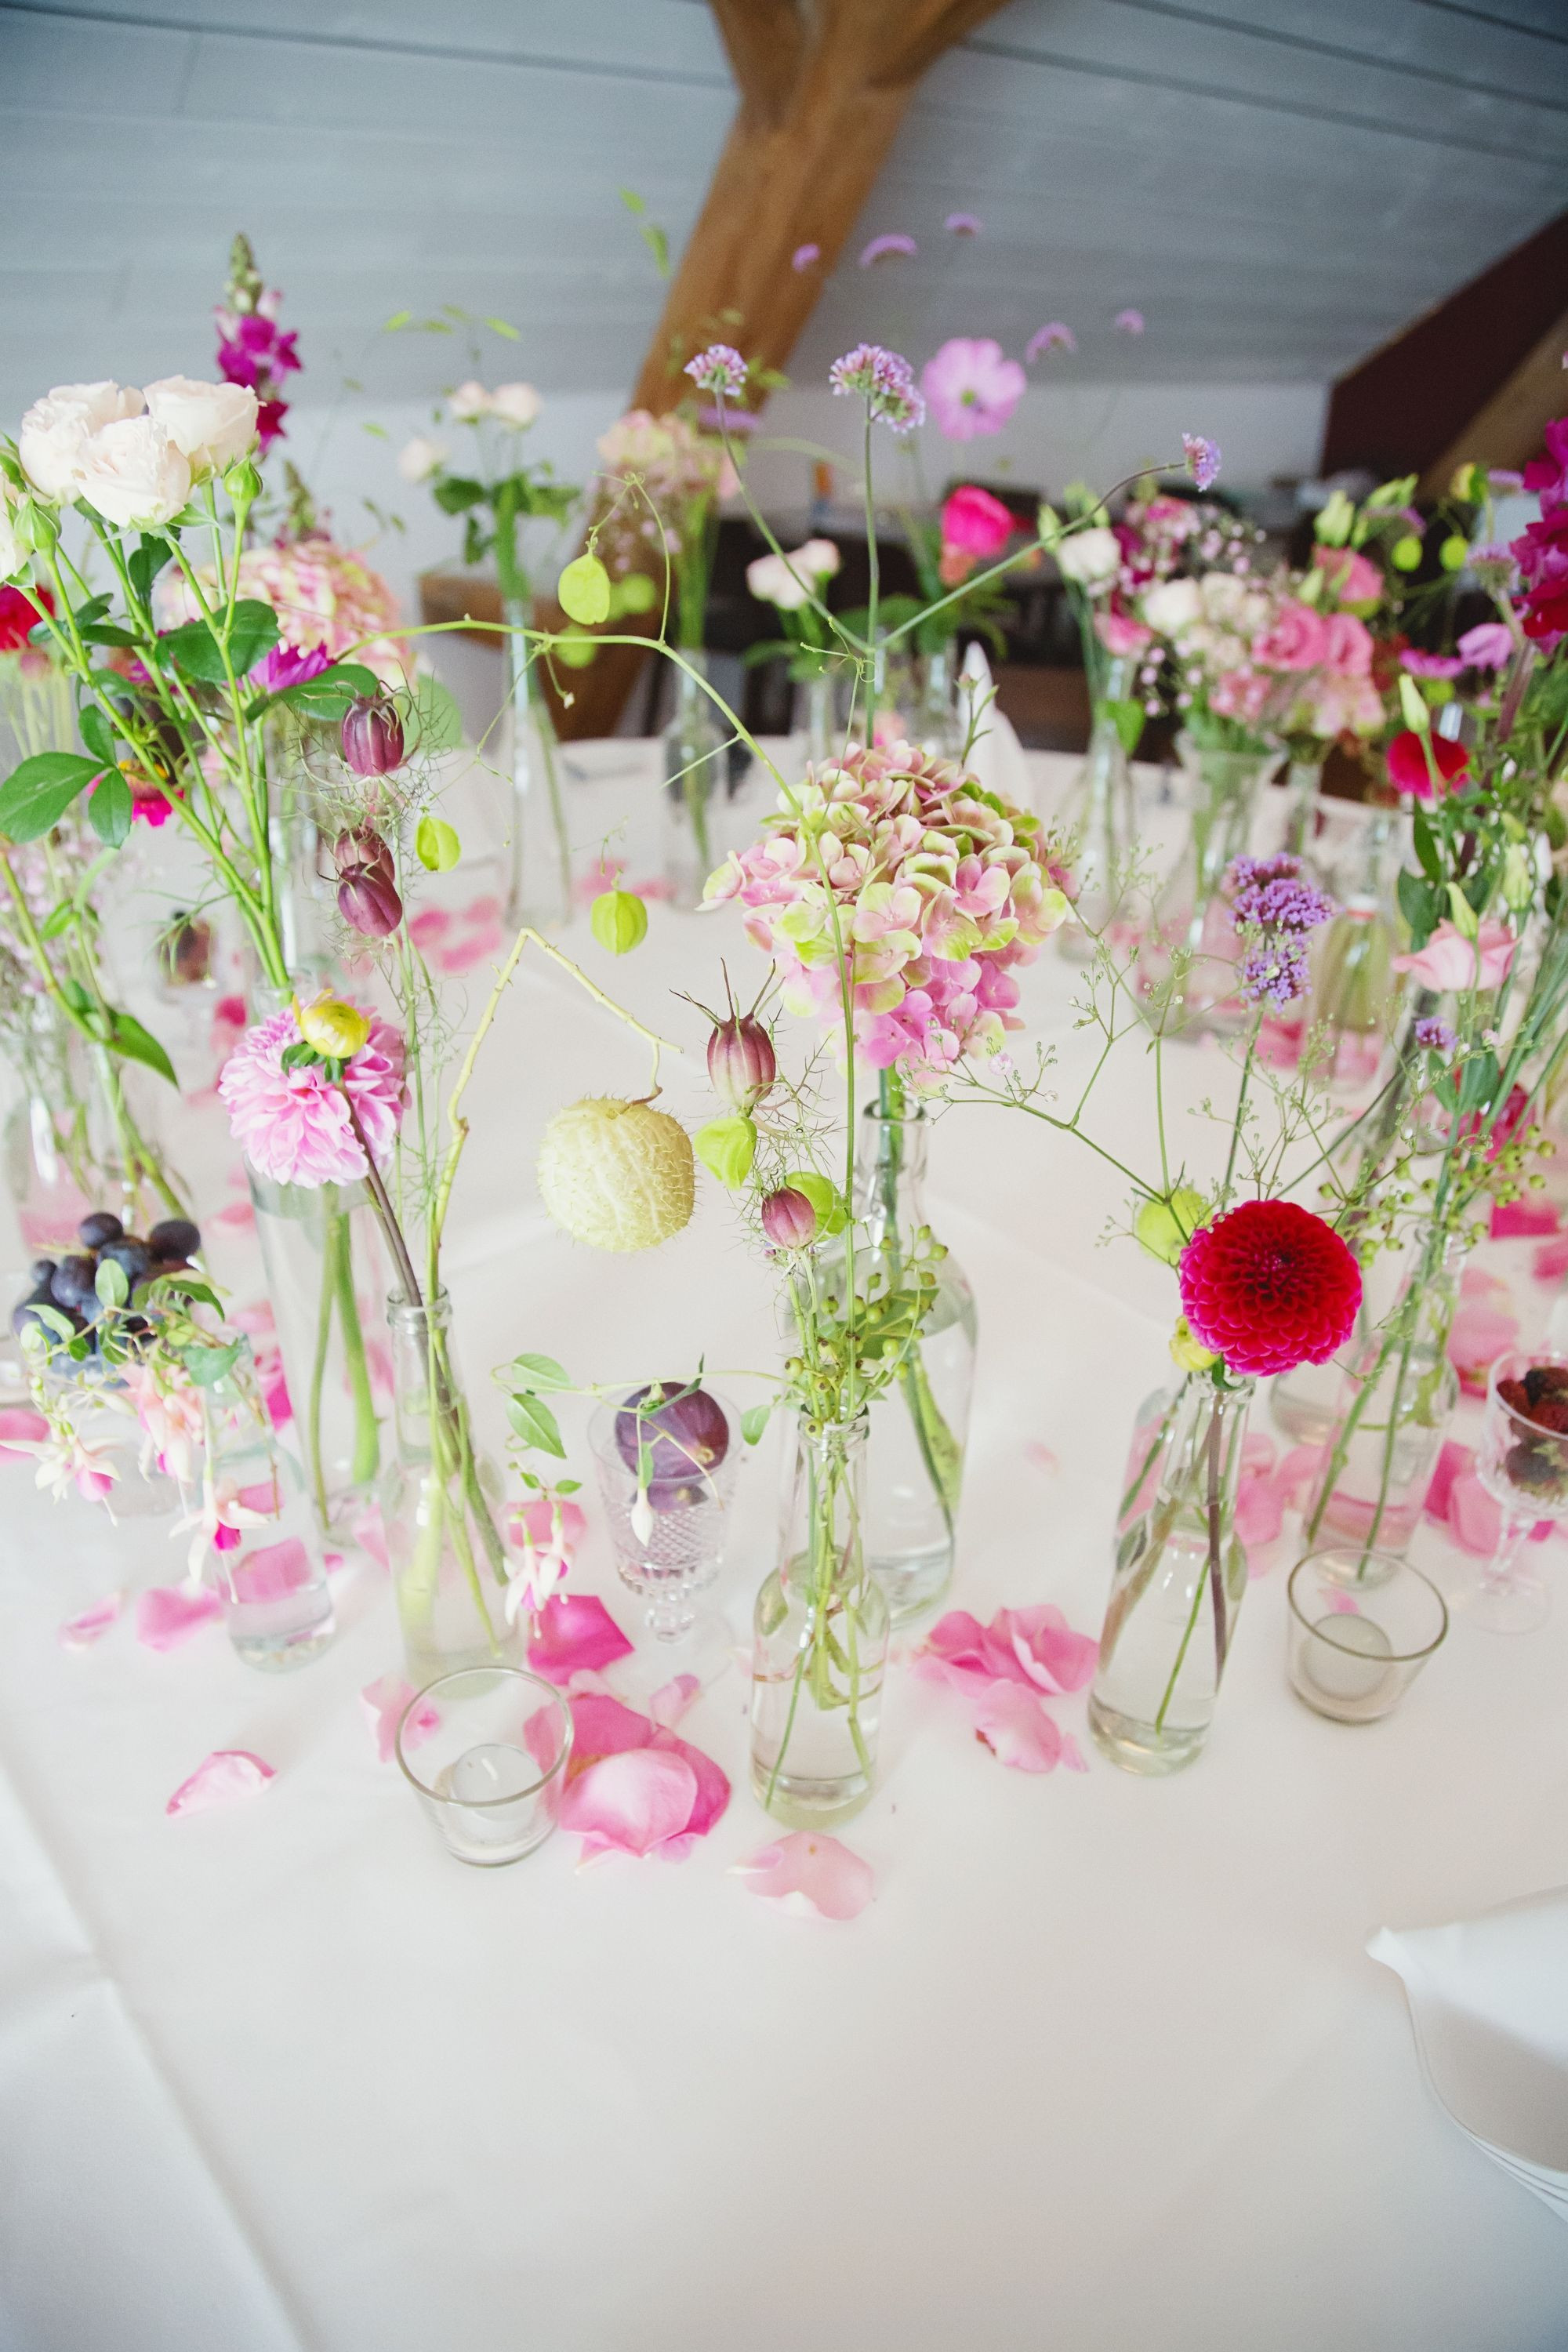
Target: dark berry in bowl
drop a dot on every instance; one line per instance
(72, 1282)
(98, 1227)
(175, 1241)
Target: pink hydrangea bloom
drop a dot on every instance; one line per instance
(325, 597)
(940, 892)
(293, 1125)
(971, 388)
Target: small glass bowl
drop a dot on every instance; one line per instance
(486, 1751)
(1362, 1626)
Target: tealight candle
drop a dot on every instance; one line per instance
(1339, 1675)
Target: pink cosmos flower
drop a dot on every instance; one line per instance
(971, 388)
(293, 1125)
(1297, 639)
(1352, 579)
(1450, 962)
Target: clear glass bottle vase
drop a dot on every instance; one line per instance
(441, 1509)
(694, 779)
(819, 1640)
(322, 1256)
(917, 1427)
(265, 1547)
(1395, 1405)
(1192, 917)
(539, 888)
(1179, 1580)
(80, 1135)
(1355, 987)
(1099, 814)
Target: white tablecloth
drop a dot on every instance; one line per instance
(1104, 2064)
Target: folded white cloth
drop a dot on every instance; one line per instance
(999, 757)
(1489, 1998)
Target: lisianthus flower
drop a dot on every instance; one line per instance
(975, 522)
(293, 1125)
(1351, 578)
(1270, 1286)
(1420, 665)
(1450, 961)
(1408, 769)
(1486, 646)
(971, 388)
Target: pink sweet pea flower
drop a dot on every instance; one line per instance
(1450, 962)
(971, 388)
(810, 1874)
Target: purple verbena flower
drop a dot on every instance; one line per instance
(1274, 973)
(1202, 459)
(720, 369)
(885, 381)
(1434, 1036)
(1272, 895)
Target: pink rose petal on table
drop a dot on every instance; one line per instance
(1514, 1219)
(385, 1701)
(572, 1630)
(272, 1572)
(603, 1726)
(80, 1632)
(1344, 1605)
(811, 1875)
(1259, 1514)
(1452, 1462)
(1298, 1471)
(1550, 1263)
(239, 1213)
(1475, 1519)
(427, 928)
(1479, 1334)
(630, 1803)
(168, 1614)
(368, 1532)
(1013, 1723)
(19, 1428)
(227, 1774)
(1044, 1648)
(670, 1702)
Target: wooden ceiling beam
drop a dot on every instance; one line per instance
(1510, 427)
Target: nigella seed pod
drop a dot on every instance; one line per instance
(368, 902)
(789, 1220)
(364, 848)
(741, 1060)
(373, 734)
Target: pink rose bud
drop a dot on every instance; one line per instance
(368, 901)
(741, 1063)
(789, 1220)
(373, 734)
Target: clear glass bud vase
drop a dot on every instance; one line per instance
(1192, 918)
(538, 889)
(322, 1256)
(1303, 782)
(79, 1136)
(1179, 1576)
(1099, 814)
(823, 741)
(1354, 986)
(441, 1508)
(1394, 1405)
(819, 1640)
(265, 1554)
(694, 778)
(919, 1300)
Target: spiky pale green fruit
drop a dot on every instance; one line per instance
(617, 1175)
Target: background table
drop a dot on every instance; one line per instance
(1103, 2064)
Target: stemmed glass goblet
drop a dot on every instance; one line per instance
(1523, 1465)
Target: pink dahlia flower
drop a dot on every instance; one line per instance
(293, 1125)
(970, 388)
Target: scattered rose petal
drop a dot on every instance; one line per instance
(1475, 1517)
(168, 1614)
(1451, 1461)
(1044, 1646)
(369, 1535)
(1344, 1605)
(1038, 1452)
(427, 928)
(1516, 1220)
(227, 1774)
(670, 1703)
(574, 1631)
(603, 1726)
(239, 1213)
(1299, 1473)
(804, 256)
(272, 1572)
(632, 1802)
(1016, 1728)
(19, 1428)
(1479, 1335)
(1551, 1261)
(385, 1701)
(811, 1875)
(82, 1633)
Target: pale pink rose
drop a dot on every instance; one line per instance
(210, 424)
(1297, 640)
(1118, 633)
(1345, 706)
(468, 402)
(1351, 578)
(133, 475)
(516, 405)
(419, 458)
(1450, 962)
(1347, 649)
(54, 429)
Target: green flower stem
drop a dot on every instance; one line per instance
(318, 1366)
(367, 1444)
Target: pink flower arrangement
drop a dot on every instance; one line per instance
(293, 1125)
(939, 891)
(1450, 961)
(971, 388)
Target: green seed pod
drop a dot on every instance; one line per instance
(619, 921)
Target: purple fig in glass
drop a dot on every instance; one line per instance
(373, 734)
(741, 1062)
(789, 1220)
(368, 902)
(687, 1439)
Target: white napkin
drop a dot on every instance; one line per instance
(999, 757)
(1489, 2000)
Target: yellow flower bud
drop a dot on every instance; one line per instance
(335, 1030)
(1164, 1228)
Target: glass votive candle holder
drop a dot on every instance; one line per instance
(485, 1750)
(1362, 1626)
(667, 1479)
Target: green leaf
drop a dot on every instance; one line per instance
(503, 327)
(440, 722)
(109, 809)
(436, 845)
(146, 562)
(825, 1198)
(398, 319)
(128, 1038)
(454, 492)
(198, 1293)
(1127, 715)
(1479, 1081)
(59, 920)
(754, 1421)
(1426, 848)
(35, 795)
(534, 1424)
(112, 1282)
(583, 590)
(1422, 904)
(536, 1373)
(106, 633)
(207, 1366)
(53, 1321)
(195, 652)
(96, 734)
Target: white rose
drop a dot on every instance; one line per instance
(468, 402)
(133, 475)
(1092, 558)
(516, 405)
(769, 580)
(54, 429)
(819, 559)
(209, 423)
(1171, 606)
(419, 458)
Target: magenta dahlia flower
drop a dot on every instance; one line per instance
(293, 1125)
(1270, 1286)
(970, 388)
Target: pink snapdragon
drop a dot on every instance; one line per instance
(293, 1125)
(939, 892)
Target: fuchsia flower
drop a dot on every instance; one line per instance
(941, 892)
(293, 1125)
(971, 388)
